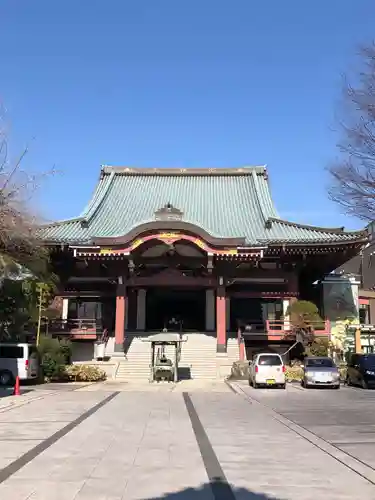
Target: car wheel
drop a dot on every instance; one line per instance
(6, 378)
(250, 383)
(255, 386)
(283, 386)
(302, 383)
(347, 381)
(336, 387)
(364, 384)
(306, 386)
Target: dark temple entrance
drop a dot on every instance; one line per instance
(186, 305)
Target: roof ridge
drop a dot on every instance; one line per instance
(188, 171)
(98, 197)
(333, 230)
(61, 222)
(266, 211)
(258, 200)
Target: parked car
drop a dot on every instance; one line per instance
(361, 370)
(267, 369)
(20, 360)
(320, 372)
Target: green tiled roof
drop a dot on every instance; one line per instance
(226, 203)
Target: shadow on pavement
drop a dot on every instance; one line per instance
(5, 391)
(216, 490)
(8, 391)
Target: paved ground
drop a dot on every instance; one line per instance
(345, 418)
(168, 443)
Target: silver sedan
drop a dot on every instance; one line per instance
(320, 372)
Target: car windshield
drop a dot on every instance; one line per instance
(325, 362)
(269, 361)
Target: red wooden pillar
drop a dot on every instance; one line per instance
(120, 318)
(241, 345)
(221, 332)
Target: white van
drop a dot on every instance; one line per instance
(18, 359)
(267, 369)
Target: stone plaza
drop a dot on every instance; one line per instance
(212, 441)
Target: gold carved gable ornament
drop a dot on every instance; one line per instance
(169, 213)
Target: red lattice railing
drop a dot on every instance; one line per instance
(285, 328)
(78, 329)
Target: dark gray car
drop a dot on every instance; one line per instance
(320, 372)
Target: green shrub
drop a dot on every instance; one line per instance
(52, 364)
(84, 373)
(294, 373)
(54, 355)
(66, 351)
(343, 371)
(319, 347)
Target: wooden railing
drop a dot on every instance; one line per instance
(278, 330)
(78, 329)
(285, 327)
(253, 327)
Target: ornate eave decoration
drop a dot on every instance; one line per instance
(168, 212)
(169, 238)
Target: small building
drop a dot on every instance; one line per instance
(362, 267)
(203, 251)
(361, 270)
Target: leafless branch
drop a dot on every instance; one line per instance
(353, 173)
(18, 240)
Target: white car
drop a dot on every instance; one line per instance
(20, 360)
(267, 369)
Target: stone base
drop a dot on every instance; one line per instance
(221, 348)
(223, 366)
(119, 348)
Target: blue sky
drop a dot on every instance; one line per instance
(173, 83)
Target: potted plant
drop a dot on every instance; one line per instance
(100, 345)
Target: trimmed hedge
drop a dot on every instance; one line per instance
(84, 373)
(79, 373)
(293, 373)
(343, 370)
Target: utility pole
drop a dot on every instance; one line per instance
(39, 316)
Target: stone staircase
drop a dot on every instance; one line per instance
(232, 350)
(198, 359)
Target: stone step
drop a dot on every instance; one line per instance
(130, 367)
(184, 359)
(192, 356)
(136, 366)
(184, 346)
(198, 356)
(146, 376)
(186, 351)
(206, 352)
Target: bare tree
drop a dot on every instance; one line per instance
(353, 174)
(19, 245)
